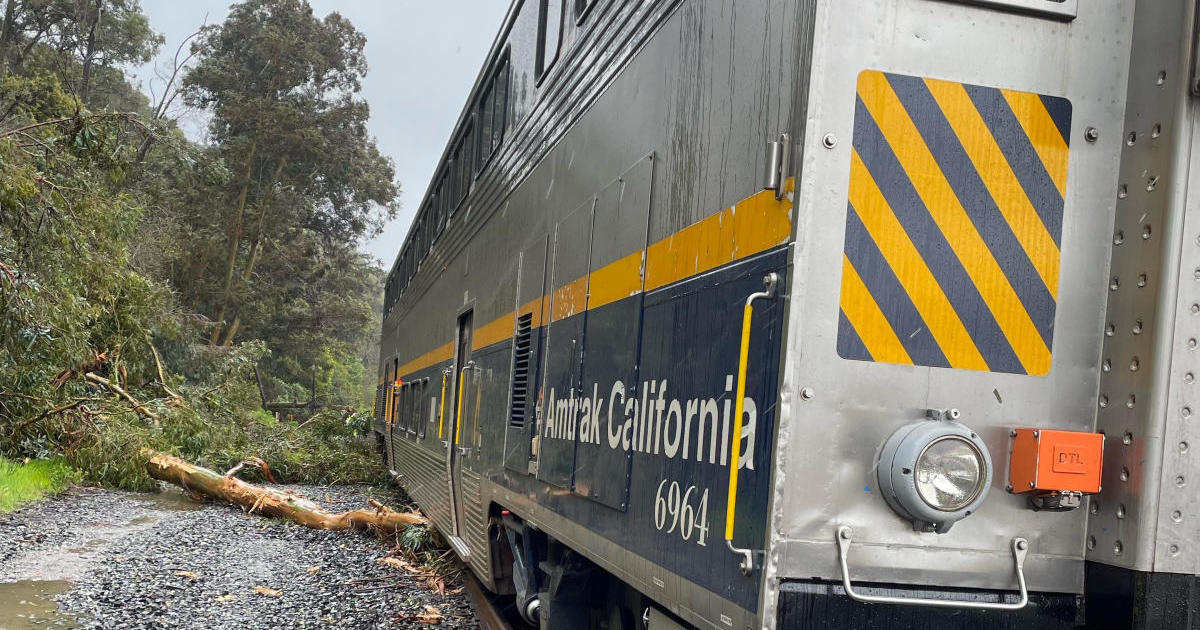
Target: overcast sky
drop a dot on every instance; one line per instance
(423, 60)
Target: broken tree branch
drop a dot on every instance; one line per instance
(162, 379)
(253, 462)
(274, 503)
(96, 378)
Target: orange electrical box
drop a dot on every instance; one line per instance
(1064, 461)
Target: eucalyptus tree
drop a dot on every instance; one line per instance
(80, 39)
(306, 181)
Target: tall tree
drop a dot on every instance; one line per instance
(282, 88)
(75, 37)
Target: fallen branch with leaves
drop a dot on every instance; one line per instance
(137, 404)
(275, 503)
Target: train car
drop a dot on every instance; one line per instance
(812, 313)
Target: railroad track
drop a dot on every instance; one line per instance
(489, 616)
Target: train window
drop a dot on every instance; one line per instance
(422, 415)
(423, 243)
(413, 407)
(493, 115)
(409, 404)
(520, 381)
(549, 35)
(402, 408)
(485, 129)
(461, 172)
(418, 242)
(415, 421)
(437, 209)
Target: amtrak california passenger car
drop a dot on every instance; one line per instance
(813, 313)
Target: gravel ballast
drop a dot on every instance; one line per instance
(131, 560)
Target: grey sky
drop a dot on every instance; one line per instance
(423, 60)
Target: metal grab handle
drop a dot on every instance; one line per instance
(769, 282)
(458, 408)
(1020, 547)
(442, 402)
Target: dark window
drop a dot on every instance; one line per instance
(415, 418)
(423, 243)
(421, 422)
(492, 114)
(418, 240)
(520, 386)
(549, 34)
(402, 408)
(460, 172)
(485, 126)
(464, 165)
(441, 216)
(500, 109)
(409, 406)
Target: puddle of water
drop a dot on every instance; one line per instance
(30, 605)
(171, 499)
(88, 546)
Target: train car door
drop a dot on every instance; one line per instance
(462, 365)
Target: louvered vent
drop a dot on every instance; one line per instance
(520, 382)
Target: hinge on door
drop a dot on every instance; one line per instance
(779, 160)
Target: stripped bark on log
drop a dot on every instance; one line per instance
(275, 503)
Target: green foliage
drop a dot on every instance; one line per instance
(219, 425)
(121, 241)
(22, 483)
(278, 260)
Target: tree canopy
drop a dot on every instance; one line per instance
(201, 279)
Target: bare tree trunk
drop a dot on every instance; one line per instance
(235, 241)
(274, 503)
(89, 54)
(7, 32)
(257, 246)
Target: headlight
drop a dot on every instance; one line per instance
(949, 473)
(934, 472)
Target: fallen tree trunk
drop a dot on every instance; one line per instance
(275, 503)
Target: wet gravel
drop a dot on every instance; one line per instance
(158, 561)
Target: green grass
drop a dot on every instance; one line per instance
(23, 483)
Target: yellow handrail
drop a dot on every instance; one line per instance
(389, 405)
(458, 422)
(738, 410)
(769, 280)
(442, 402)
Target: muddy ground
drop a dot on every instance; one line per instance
(107, 559)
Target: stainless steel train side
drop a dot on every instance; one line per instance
(1122, 332)
(650, 120)
(635, 388)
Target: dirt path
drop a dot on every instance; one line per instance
(105, 559)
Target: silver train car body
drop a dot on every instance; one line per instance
(691, 268)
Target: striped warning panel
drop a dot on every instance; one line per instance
(954, 225)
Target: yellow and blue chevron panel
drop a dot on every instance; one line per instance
(954, 225)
